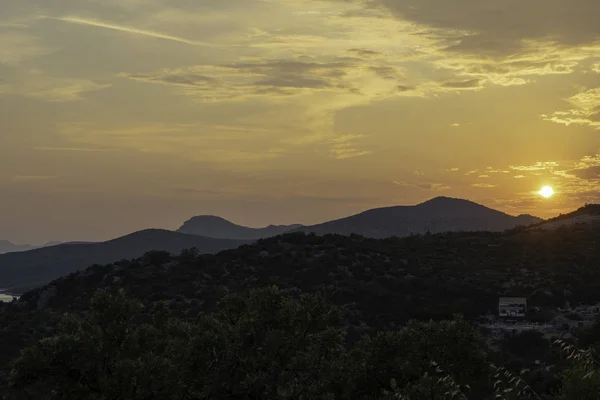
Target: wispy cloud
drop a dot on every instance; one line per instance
(423, 185)
(586, 111)
(75, 149)
(538, 166)
(16, 47)
(343, 147)
(131, 30)
(38, 85)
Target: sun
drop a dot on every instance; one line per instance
(546, 192)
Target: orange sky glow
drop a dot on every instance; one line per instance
(118, 115)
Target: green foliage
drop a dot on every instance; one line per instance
(266, 345)
(581, 380)
(579, 383)
(530, 345)
(101, 355)
(408, 355)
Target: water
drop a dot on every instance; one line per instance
(6, 298)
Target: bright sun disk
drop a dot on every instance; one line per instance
(546, 191)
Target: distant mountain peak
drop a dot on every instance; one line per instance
(208, 219)
(7, 246)
(440, 214)
(443, 200)
(220, 228)
(28, 268)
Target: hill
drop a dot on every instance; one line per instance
(587, 214)
(441, 214)
(390, 280)
(23, 270)
(377, 284)
(8, 247)
(217, 227)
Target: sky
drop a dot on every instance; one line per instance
(118, 115)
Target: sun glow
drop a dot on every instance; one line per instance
(546, 192)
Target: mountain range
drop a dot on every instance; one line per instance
(442, 214)
(23, 270)
(378, 285)
(9, 247)
(220, 228)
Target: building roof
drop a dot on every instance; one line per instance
(512, 299)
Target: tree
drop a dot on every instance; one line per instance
(581, 380)
(104, 354)
(266, 346)
(263, 345)
(416, 356)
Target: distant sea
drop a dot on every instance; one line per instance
(6, 297)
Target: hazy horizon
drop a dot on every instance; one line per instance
(119, 115)
(177, 224)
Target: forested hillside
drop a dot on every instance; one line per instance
(363, 287)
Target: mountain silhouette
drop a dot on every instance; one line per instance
(587, 214)
(9, 247)
(441, 214)
(217, 227)
(28, 269)
(211, 234)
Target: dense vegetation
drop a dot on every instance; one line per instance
(382, 325)
(266, 345)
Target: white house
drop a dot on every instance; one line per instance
(512, 307)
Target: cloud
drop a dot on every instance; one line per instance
(307, 89)
(576, 181)
(586, 110)
(507, 43)
(16, 47)
(424, 185)
(365, 53)
(37, 85)
(75, 149)
(277, 77)
(492, 170)
(588, 173)
(466, 84)
(587, 169)
(483, 185)
(503, 28)
(130, 30)
(538, 166)
(343, 147)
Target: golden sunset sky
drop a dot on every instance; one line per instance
(117, 115)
